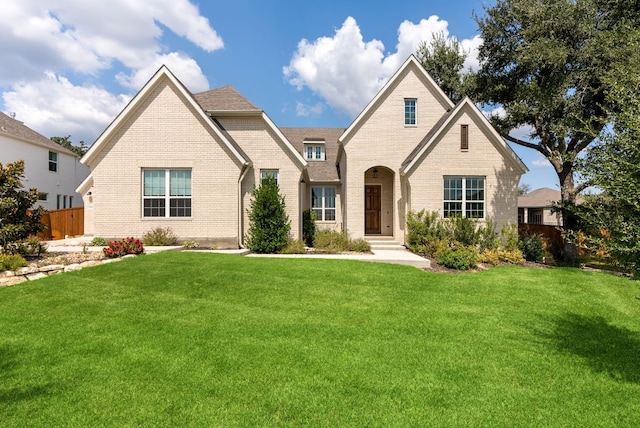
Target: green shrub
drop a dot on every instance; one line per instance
(269, 223)
(424, 227)
(359, 246)
(458, 257)
(12, 262)
(26, 247)
(123, 247)
(491, 257)
(488, 236)
(464, 230)
(330, 241)
(159, 237)
(532, 247)
(293, 246)
(98, 242)
(308, 227)
(509, 234)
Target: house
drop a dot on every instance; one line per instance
(190, 162)
(48, 167)
(536, 207)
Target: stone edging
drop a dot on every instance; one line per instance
(31, 273)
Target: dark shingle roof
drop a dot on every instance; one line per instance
(318, 170)
(225, 98)
(17, 129)
(543, 197)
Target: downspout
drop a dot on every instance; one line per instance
(245, 169)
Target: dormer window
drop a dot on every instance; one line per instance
(314, 151)
(410, 111)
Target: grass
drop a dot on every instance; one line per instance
(192, 339)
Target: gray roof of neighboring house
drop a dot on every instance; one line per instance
(19, 130)
(543, 197)
(318, 170)
(225, 98)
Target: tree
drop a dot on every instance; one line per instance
(17, 218)
(523, 189)
(543, 62)
(443, 59)
(269, 223)
(611, 218)
(65, 142)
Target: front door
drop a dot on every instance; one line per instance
(372, 210)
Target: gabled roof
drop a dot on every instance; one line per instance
(543, 197)
(160, 75)
(439, 128)
(225, 98)
(319, 171)
(413, 62)
(18, 130)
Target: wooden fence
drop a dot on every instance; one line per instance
(552, 236)
(61, 223)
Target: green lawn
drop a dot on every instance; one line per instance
(193, 339)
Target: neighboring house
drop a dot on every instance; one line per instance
(55, 171)
(190, 162)
(536, 207)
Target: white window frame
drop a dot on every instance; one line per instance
(466, 197)
(407, 114)
(314, 152)
(53, 161)
(169, 212)
(323, 209)
(264, 173)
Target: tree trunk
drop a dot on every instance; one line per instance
(569, 222)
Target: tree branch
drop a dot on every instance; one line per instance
(523, 143)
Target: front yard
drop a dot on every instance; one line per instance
(193, 339)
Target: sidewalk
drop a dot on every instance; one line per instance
(396, 256)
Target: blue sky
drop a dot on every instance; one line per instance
(70, 66)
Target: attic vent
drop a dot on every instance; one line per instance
(464, 137)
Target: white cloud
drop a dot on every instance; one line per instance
(541, 162)
(347, 71)
(53, 106)
(92, 38)
(306, 110)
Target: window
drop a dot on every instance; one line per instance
(53, 161)
(42, 196)
(464, 197)
(464, 137)
(156, 199)
(70, 201)
(58, 202)
(264, 173)
(323, 202)
(410, 111)
(314, 152)
(64, 201)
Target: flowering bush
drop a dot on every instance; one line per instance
(123, 247)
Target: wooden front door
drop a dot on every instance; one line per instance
(372, 209)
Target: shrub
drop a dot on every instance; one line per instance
(491, 257)
(160, 236)
(98, 242)
(359, 246)
(26, 247)
(511, 256)
(459, 257)
(190, 244)
(123, 247)
(12, 262)
(308, 227)
(269, 223)
(424, 227)
(464, 230)
(330, 241)
(509, 234)
(488, 236)
(532, 247)
(293, 246)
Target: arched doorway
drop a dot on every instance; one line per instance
(378, 201)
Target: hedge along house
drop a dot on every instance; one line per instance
(191, 161)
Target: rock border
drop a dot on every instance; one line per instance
(32, 272)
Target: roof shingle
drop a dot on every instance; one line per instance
(17, 129)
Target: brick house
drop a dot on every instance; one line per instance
(190, 162)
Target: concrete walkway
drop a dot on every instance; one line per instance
(397, 255)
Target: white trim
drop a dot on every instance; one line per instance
(501, 144)
(163, 72)
(86, 184)
(411, 61)
(286, 142)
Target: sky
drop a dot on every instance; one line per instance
(70, 66)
